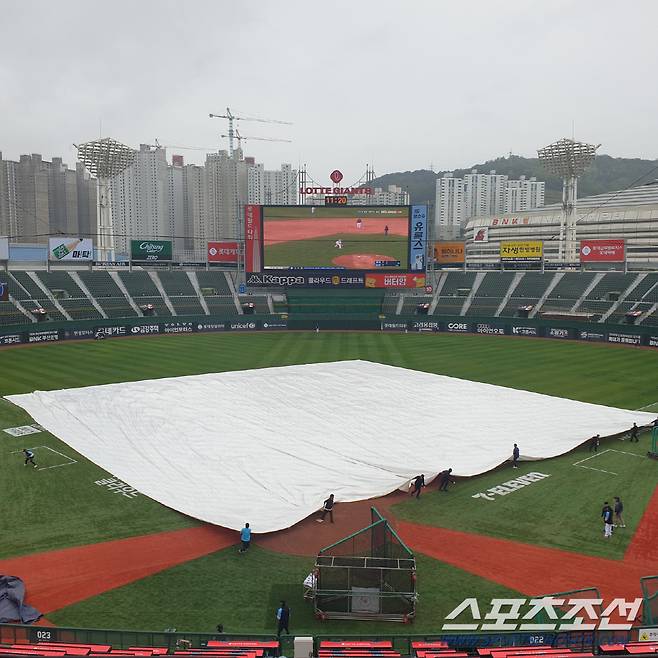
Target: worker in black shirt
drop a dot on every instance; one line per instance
(419, 483)
(445, 479)
(606, 513)
(594, 443)
(29, 457)
(619, 508)
(516, 453)
(634, 432)
(327, 508)
(282, 618)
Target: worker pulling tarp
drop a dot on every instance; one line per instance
(12, 608)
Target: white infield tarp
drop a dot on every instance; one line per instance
(267, 446)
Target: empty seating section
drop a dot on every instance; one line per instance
(187, 305)
(327, 302)
(357, 649)
(390, 303)
(568, 291)
(221, 305)
(410, 304)
(9, 314)
(603, 295)
(144, 292)
(651, 320)
(213, 648)
(259, 302)
(107, 293)
(528, 292)
(176, 284)
(490, 294)
(215, 280)
(645, 287)
(455, 290)
(29, 292)
(73, 301)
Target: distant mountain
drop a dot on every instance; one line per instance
(604, 175)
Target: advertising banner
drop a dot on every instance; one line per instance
(481, 234)
(602, 251)
(11, 339)
(4, 291)
(222, 252)
(487, 328)
(457, 327)
(558, 332)
(177, 327)
(79, 249)
(521, 251)
(311, 279)
(418, 238)
(653, 341)
(253, 238)
(150, 250)
(4, 248)
(449, 253)
(398, 280)
(522, 330)
(426, 325)
(145, 329)
(275, 324)
(393, 326)
(47, 336)
(624, 339)
(591, 335)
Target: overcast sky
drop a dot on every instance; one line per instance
(401, 85)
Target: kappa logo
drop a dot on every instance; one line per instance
(276, 280)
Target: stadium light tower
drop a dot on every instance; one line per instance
(568, 159)
(105, 158)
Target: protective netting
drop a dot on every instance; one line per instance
(650, 599)
(370, 574)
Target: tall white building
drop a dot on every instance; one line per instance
(484, 194)
(280, 186)
(393, 195)
(448, 207)
(139, 199)
(524, 194)
(481, 195)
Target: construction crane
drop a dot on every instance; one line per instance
(231, 130)
(240, 137)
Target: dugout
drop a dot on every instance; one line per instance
(369, 575)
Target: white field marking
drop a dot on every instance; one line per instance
(591, 468)
(648, 406)
(45, 468)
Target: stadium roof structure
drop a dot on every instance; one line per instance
(643, 195)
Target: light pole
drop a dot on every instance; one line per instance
(567, 159)
(105, 158)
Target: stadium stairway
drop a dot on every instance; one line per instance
(64, 289)
(33, 296)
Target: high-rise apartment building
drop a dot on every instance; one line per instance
(476, 195)
(40, 198)
(138, 196)
(448, 207)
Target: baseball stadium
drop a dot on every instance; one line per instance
(418, 462)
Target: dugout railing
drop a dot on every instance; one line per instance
(122, 639)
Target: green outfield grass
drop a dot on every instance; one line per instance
(562, 511)
(243, 591)
(320, 252)
(62, 506)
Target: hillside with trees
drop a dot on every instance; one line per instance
(606, 174)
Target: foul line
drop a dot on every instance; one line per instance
(45, 468)
(591, 468)
(648, 406)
